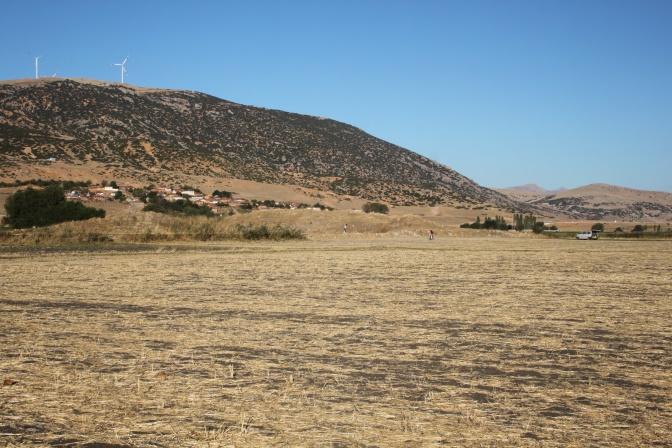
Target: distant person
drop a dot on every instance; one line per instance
(431, 234)
(345, 228)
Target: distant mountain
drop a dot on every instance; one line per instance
(599, 201)
(527, 192)
(158, 135)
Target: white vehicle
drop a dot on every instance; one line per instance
(587, 235)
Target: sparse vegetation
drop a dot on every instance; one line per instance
(182, 207)
(37, 208)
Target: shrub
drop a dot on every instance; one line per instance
(222, 193)
(618, 230)
(538, 227)
(638, 228)
(38, 208)
(375, 207)
(264, 232)
(597, 227)
(326, 207)
(140, 193)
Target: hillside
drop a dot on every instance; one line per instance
(602, 201)
(146, 135)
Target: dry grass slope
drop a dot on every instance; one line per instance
(464, 342)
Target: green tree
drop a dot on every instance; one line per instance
(37, 208)
(597, 227)
(538, 227)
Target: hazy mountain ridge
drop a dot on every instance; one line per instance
(599, 201)
(154, 132)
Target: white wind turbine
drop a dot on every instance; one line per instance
(37, 66)
(123, 69)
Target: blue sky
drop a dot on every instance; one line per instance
(561, 93)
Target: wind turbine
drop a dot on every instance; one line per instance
(37, 66)
(123, 69)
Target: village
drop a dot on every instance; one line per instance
(220, 202)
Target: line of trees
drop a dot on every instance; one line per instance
(520, 222)
(496, 223)
(525, 222)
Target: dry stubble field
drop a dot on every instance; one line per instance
(459, 342)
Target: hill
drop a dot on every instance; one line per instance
(527, 192)
(100, 130)
(601, 201)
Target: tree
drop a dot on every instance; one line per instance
(222, 193)
(597, 227)
(618, 230)
(375, 207)
(638, 228)
(119, 196)
(538, 227)
(37, 208)
(523, 222)
(113, 184)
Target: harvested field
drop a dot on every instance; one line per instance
(456, 342)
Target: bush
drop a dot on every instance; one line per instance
(264, 232)
(38, 208)
(597, 227)
(538, 227)
(638, 228)
(375, 207)
(222, 193)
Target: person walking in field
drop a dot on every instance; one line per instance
(431, 234)
(345, 228)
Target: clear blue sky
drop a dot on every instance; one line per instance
(561, 93)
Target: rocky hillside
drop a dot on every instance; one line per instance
(154, 134)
